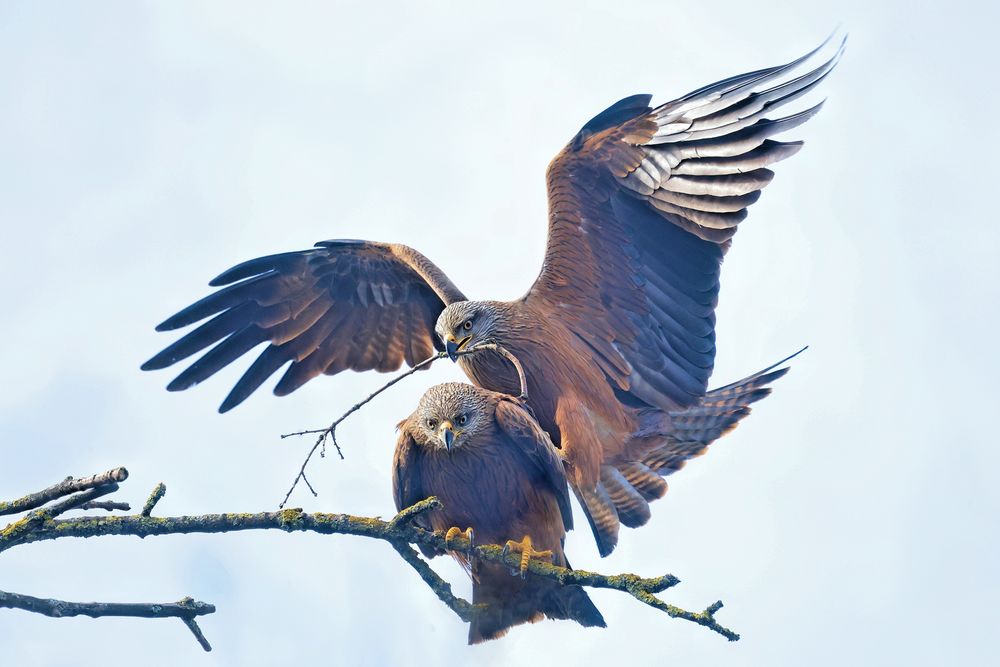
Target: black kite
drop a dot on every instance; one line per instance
(616, 335)
(496, 472)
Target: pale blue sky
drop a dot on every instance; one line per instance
(147, 146)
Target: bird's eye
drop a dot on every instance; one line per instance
(467, 325)
(431, 423)
(462, 419)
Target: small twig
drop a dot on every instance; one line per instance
(107, 505)
(309, 486)
(521, 378)
(64, 488)
(157, 493)
(192, 624)
(75, 502)
(331, 430)
(185, 609)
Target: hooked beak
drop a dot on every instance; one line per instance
(447, 433)
(452, 346)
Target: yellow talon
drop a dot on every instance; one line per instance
(527, 550)
(454, 532)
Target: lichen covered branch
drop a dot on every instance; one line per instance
(66, 487)
(399, 532)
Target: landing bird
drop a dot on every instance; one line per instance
(617, 333)
(496, 472)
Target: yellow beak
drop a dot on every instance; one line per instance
(446, 431)
(452, 346)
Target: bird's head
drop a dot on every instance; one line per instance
(452, 414)
(466, 323)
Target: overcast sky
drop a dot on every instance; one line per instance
(148, 146)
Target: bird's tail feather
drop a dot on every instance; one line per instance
(601, 513)
(624, 492)
(510, 600)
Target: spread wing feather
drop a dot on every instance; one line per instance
(341, 305)
(643, 204)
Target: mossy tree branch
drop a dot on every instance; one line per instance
(44, 524)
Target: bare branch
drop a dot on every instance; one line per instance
(331, 430)
(80, 499)
(522, 380)
(107, 505)
(185, 609)
(63, 488)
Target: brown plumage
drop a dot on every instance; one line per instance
(496, 471)
(616, 335)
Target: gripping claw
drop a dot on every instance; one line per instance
(527, 551)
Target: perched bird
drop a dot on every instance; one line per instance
(496, 472)
(617, 333)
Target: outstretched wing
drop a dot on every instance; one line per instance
(537, 450)
(356, 305)
(643, 204)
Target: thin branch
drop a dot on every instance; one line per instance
(331, 430)
(64, 488)
(107, 505)
(522, 380)
(185, 609)
(80, 499)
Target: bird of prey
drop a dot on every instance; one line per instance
(496, 472)
(617, 333)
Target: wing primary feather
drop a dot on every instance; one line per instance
(762, 371)
(766, 154)
(224, 298)
(760, 102)
(255, 267)
(208, 333)
(708, 97)
(740, 141)
(218, 357)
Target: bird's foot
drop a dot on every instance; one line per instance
(454, 532)
(527, 551)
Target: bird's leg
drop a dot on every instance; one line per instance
(527, 550)
(454, 532)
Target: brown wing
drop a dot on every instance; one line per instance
(642, 206)
(407, 479)
(356, 305)
(535, 447)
